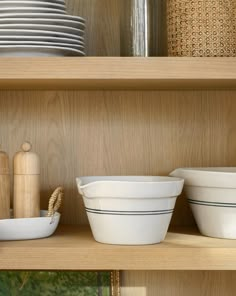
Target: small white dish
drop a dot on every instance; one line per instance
(29, 228)
(44, 21)
(30, 4)
(129, 210)
(46, 15)
(38, 51)
(41, 27)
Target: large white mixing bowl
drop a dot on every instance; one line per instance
(211, 193)
(130, 210)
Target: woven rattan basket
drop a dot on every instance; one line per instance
(201, 28)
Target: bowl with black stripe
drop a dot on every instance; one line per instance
(129, 210)
(211, 193)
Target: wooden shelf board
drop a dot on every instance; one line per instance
(73, 248)
(111, 73)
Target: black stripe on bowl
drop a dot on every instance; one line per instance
(129, 213)
(212, 204)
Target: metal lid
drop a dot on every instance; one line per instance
(4, 163)
(26, 162)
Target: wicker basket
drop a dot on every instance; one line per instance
(201, 28)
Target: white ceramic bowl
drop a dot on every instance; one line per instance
(29, 228)
(211, 193)
(130, 210)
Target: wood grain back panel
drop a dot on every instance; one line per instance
(104, 36)
(115, 132)
(179, 283)
(118, 133)
(102, 25)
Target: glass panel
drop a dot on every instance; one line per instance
(55, 283)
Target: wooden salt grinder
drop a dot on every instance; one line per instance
(4, 186)
(26, 183)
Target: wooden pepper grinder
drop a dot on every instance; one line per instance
(26, 183)
(4, 186)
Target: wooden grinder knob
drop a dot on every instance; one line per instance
(26, 162)
(26, 146)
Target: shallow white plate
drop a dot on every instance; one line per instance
(64, 45)
(36, 51)
(55, 28)
(15, 32)
(31, 10)
(41, 38)
(46, 15)
(29, 228)
(30, 4)
(44, 21)
(62, 2)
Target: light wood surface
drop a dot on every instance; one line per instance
(4, 196)
(75, 249)
(26, 202)
(4, 186)
(179, 283)
(85, 133)
(104, 21)
(79, 133)
(118, 73)
(102, 25)
(121, 133)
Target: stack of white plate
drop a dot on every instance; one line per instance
(40, 28)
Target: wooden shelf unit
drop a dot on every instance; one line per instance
(104, 115)
(123, 116)
(73, 248)
(113, 73)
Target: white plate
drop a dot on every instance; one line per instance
(36, 51)
(44, 21)
(30, 10)
(70, 45)
(55, 28)
(29, 228)
(41, 38)
(15, 32)
(62, 2)
(43, 15)
(30, 4)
